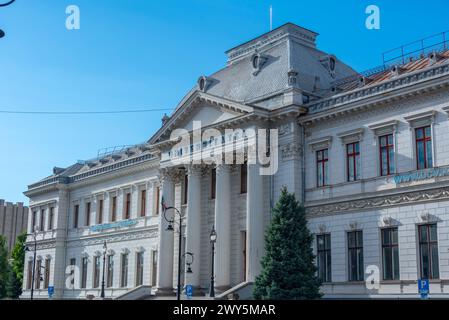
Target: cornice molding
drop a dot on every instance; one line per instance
(363, 94)
(379, 202)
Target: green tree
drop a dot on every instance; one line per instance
(17, 266)
(4, 267)
(288, 269)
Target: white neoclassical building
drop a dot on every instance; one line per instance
(367, 154)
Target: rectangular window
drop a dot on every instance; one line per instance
(110, 275)
(390, 254)
(124, 270)
(72, 271)
(243, 178)
(51, 218)
(114, 209)
(143, 203)
(355, 256)
(42, 221)
(76, 216)
(38, 274)
(47, 273)
(97, 266)
(84, 262)
(87, 214)
(353, 161)
(154, 268)
(324, 257)
(158, 192)
(186, 189)
(100, 211)
(428, 251)
(139, 269)
(30, 274)
(386, 151)
(213, 183)
(128, 206)
(423, 137)
(322, 166)
(33, 221)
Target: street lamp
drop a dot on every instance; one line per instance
(188, 261)
(213, 239)
(35, 231)
(170, 228)
(2, 33)
(105, 248)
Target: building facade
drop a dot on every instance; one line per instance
(366, 154)
(13, 221)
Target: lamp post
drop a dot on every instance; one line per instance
(2, 33)
(213, 239)
(188, 261)
(104, 263)
(170, 228)
(34, 261)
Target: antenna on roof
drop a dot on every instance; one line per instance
(271, 17)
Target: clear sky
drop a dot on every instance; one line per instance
(140, 54)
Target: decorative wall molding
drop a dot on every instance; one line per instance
(351, 135)
(379, 202)
(125, 236)
(421, 119)
(290, 151)
(383, 128)
(320, 143)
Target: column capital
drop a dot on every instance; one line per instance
(223, 168)
(195, 169)
(170, 174)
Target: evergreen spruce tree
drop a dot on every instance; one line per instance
(4, 267)
(288, 269)
(14, 289)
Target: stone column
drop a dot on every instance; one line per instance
(59, 259)
(222, 263)
(254, 223)
(193, 224)
(165, 248)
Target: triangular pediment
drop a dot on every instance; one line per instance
(200, 106)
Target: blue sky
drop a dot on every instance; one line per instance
(144, 54)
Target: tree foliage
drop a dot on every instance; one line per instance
(288, 269)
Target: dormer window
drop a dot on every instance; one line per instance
(257, 61)
(332, 64)
(202, 83)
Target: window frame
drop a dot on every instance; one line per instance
(354, 155)
(321, 163)
(244, 178)
(51, 213)
(391, 245)
(143, 202)
(327, 251)
(42, 220)
(429, 244)
(110, 271)
(87, 213)
(213, 183)
(124, 269)
(127, 206)
(139, 269)
(84, 267)
(360, 273)
(76, 212)
(100, 211)
(114, 208)
(424, 141)
(96, 269)
(388, 147)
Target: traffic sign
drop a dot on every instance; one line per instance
(189, 290)
(423, 288)
(51, 291)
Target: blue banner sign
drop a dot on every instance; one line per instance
(118, 224)
(421, 175)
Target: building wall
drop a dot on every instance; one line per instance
(406, 212)
(13, 221)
